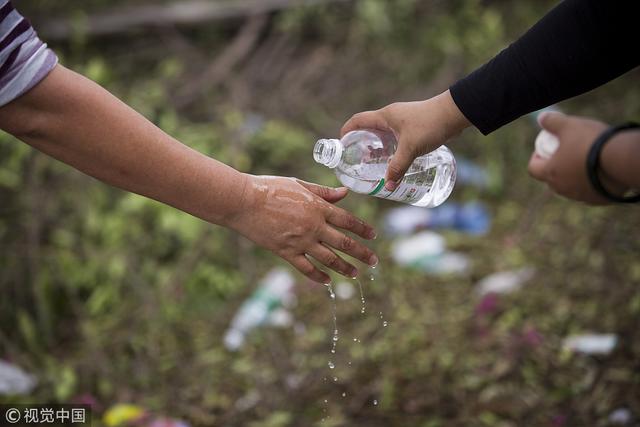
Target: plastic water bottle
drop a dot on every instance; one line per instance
(360, 160)
(274, 292)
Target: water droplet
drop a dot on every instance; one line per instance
(331, 365)
(375, 402)
(385, 323)
(361, 297)
(334, 339)
(330, 290)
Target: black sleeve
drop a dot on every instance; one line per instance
(578, 46)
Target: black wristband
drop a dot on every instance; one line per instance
(593, 162)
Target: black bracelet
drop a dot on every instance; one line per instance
(593, 162)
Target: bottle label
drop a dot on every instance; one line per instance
(406, 193)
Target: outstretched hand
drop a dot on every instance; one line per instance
(297, 220)
(420, 127)
(565, 172)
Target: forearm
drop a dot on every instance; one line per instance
(578, 46)
(453, 121)
(76, 121)
(620, 160)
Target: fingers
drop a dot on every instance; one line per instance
(348, 245)
(538, 167)
(332, 260)
(553, 121)
(343, 219)
(304, 266)
(365, 120)
(398, 166)
(331, 195)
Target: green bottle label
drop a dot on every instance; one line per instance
(379, 187)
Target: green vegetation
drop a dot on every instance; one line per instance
(113, 295)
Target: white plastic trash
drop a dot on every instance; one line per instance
(505, 282)
(404, 220)
(281, 318)
(409, 250)
(447, 263)
(264, 306)
(426, 251)
(621, 416)
(15, 381)
(345, 290)
(592, 344)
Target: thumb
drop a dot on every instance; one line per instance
(398, 166)
(331, 195)
(365, 120)
(552, 121)
(538, 167)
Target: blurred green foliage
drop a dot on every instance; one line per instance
(113, 295)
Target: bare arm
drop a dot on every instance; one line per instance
(78, 122)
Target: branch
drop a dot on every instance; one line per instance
(224, 63)
(179, 13)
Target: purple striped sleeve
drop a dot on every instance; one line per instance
(24, 59)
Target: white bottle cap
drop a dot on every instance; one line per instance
(546, 144)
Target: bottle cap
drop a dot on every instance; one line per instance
(546, 144)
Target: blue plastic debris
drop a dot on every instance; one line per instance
(471, 218)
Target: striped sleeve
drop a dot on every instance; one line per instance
(24, 59)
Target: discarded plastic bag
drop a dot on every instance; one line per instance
(15, 381)
(505, 282)
(264, 306)
(426, 251)
(592, 344)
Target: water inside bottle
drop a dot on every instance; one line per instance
(361, 158)
(428, 182)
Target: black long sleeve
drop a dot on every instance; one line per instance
(578, 46)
